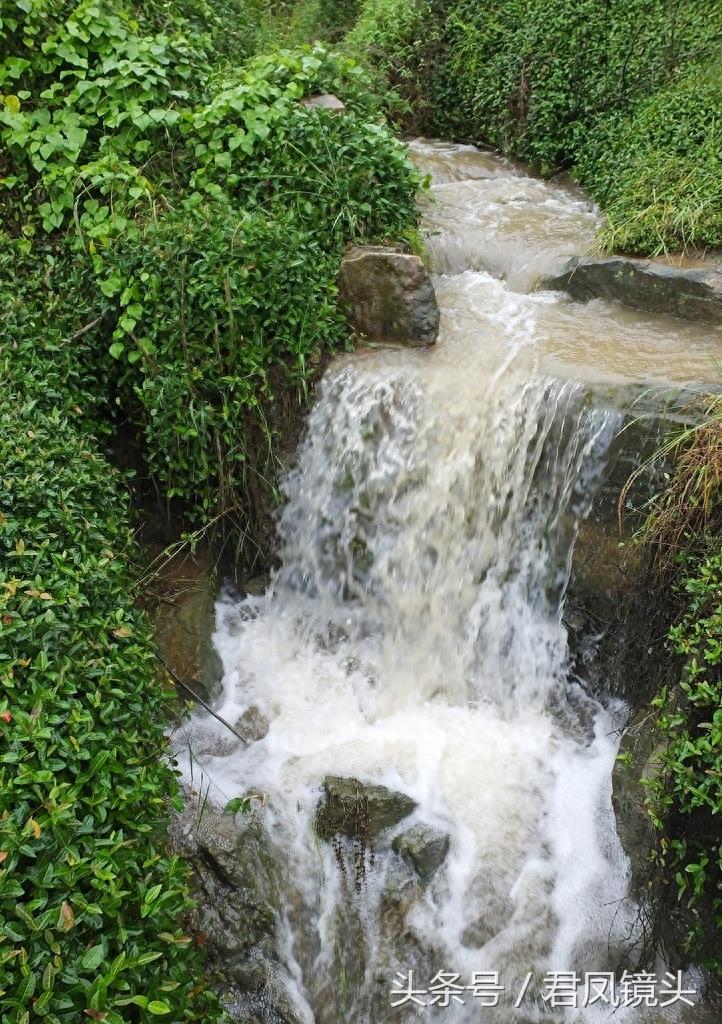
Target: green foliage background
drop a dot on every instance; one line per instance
(628, 95)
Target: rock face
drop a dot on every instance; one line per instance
(425, 848)
(236, 886)
(324, 101)
(234, 871)
(388, 296)
(639, 751)
(359, 810)
(695, 294)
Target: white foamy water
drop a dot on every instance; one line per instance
(413, 637)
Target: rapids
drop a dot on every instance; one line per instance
(413, 634)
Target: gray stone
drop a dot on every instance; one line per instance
(265, 995)
(389, 296)
(235, 881)
(257, 586)
(252, 725)
(359, 810)
(402, 889)
(692, 293)
(324, 101)
(424, 847)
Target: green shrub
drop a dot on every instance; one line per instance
(658, 171)
(217, 300)
(198, 300)
(89, 898)
(685, 797)
(399, 40)
(88, 102)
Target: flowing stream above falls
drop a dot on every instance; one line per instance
(413, 635)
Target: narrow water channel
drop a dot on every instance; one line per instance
(413, 635)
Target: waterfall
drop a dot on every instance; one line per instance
(413, 638)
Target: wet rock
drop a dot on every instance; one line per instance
(692, 293)
(402, 889)
(637, 762)
(257, 586)
(236, 886)
(264, 993)
(425, 848)
(324, 101)
(184, 621)
(252, 725)
(389, 296)
(359, 810)
(235, 882)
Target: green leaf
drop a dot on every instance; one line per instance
(93, 958)
(157, 1007)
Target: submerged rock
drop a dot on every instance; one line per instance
(425, 848)
(252, 725)
(359, 810)
(389, 296)
(692, 293)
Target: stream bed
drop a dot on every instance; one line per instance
(413, 639)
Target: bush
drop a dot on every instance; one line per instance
(89, 899)
(685, 797)
(399, 40)
(217, 300)
(658, 171)
(146, 190)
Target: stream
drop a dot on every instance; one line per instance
(413, 638)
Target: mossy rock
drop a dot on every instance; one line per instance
(389, 296)
(359, 810)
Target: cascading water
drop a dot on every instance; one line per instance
(413, 638)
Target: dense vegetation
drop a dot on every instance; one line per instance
(173, 221)
(626, 95)
(683, 537)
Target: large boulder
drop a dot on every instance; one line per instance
(692, 293)
(424, 847)
(359, 810)
(388, 296)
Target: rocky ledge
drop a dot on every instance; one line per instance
(692, 293)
